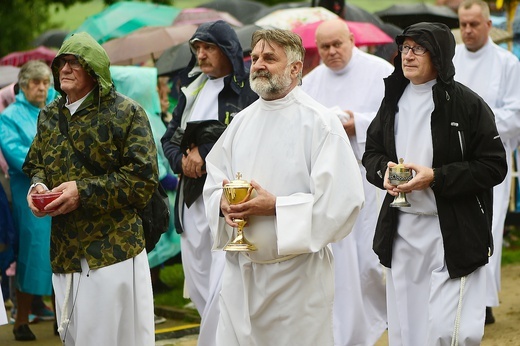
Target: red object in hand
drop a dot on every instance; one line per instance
(42, 199)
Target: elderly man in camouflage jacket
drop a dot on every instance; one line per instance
(101, 274)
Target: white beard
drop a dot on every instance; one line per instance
(268, 85)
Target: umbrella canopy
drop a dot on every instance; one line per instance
(8, 75)
(365, 34)
(408, 14)
(291, 18)
(124, 17)
(20, 58)
(146, 43)
(281, 6)
(202, 15)
(245, 34)
(245, 10)
(51, 38)
(354, 13)
(173, 59)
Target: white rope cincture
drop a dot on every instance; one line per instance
(455, 338)
(64, 320)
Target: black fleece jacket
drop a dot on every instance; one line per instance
(468, 157)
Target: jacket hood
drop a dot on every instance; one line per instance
(92, 57)
(438, 39)
(221, 34)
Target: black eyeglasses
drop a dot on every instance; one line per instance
(73, 63)
(417, 50)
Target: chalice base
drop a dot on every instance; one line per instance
(400, 201)
(240, 243)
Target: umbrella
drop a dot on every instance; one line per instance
(408, 14)
(354, 13)
(365, 34)
(8, 75)
(244, 36)
(497, 35)
(281, 6)
(124, 17)
(203, 15)
(291, 18)
(246, 10)
(173, 59)
(146, 43)
(20, 58)
(51, 38)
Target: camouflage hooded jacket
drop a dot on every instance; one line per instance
(113, 132)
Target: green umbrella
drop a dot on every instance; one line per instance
(124, 17)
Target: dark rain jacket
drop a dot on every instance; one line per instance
(235, 96)
(113, 132)
(468, 157)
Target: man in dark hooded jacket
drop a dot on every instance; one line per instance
(435, 250)
(215, 86)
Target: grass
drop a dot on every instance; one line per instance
(173, 276)
(511, 249)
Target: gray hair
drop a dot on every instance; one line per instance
(467, 4)
(33, 69)
(291, 43)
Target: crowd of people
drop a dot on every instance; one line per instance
(336, 263)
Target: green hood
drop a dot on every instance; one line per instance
(92, 57)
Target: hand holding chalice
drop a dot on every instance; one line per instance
(399, 175)
(236, 192)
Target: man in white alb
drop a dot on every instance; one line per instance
(308, 193)
(351, 82)
(436, 248)
(494, 73)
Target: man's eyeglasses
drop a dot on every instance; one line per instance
(417, 50)
(73, 63)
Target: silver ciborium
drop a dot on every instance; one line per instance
(399, 175)
(236, 192)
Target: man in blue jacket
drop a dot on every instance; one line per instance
(215, 86)
(435, 250)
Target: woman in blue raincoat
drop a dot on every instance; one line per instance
(17, 130)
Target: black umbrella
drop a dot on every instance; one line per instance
(280, 6)
(408, 14)
(51, 38)
(243, 10)
(244, 36)
(356, 14)
(173, 59)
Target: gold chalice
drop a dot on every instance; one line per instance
(236, 192)
(399, 175)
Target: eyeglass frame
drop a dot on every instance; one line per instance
(74, 63)
(408, 48)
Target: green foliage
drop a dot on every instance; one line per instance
(511, 249)
(21, 20)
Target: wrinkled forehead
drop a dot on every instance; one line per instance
(264, 47)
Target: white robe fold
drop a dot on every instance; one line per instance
(297, 150)
(360, 297)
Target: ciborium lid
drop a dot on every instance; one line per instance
(238, 182)
(399, 167)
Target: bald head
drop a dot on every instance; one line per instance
(335, 43)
